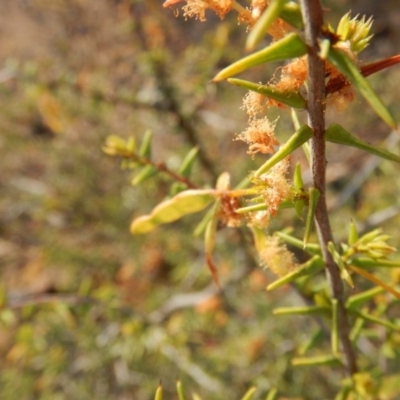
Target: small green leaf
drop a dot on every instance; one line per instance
(370, 236)
(344, 273)
(316, 338)
(364, 262)
(356, 329)
(311, 248)
(145, 173)
(290, 46)
(299, 207)
(249, 394)
(115, 145)
(159, 393)
(344, 393)
(335, 328)
(187, 164)
(313, 196)
(296, 140)
(359, 299)
(353, 233)
(347, 67)
(187, 202)
(297, 177)
(291, 14)
(371, 318)
(312, 310)
(329, 359)
(272, 394)
(179, 389)
(337, 134)
(268, 17)
(202, 225)
(145, 146)
(292, 99)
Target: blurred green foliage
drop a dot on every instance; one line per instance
(88, 311)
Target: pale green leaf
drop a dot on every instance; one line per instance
(313, 197)
(249, 394)
(337, 134)
(329, 359)
(291, 14)
(145, 173)
(347, 67)
(145, 146)
(187, 164)
(296, 140)
(290, 46)
(187, 202)
(258, 31)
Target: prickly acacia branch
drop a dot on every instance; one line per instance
(313, 21)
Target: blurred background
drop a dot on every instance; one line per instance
(91, 312)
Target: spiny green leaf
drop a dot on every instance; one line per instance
(364, 262)
(353, 233)
(312, 310)
(290, 46)
(356, 329)
(344, 273)
(297, 177)
(370, 236)
(249, 394)
(347, 67)
(258, 31)
(296, 140)
(145, 173)
(145, 146)
(335, 328)
(329, 359)
(337, 134)
(272, 394)
(187, 202)
(291, 99)
(179, 389)
(159, 393)
(311, 248)
(312, 205)
(291, 14)
(314, 340)
(187, 164)
(376, 320)
(359, 299)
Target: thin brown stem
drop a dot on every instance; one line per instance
(313, 21)
(161, 167)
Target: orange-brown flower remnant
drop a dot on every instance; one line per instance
(274, 186)
(259, 135)
(197, 8)
(227, 213)
(275, 256)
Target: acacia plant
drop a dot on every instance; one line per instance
(320, 69)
